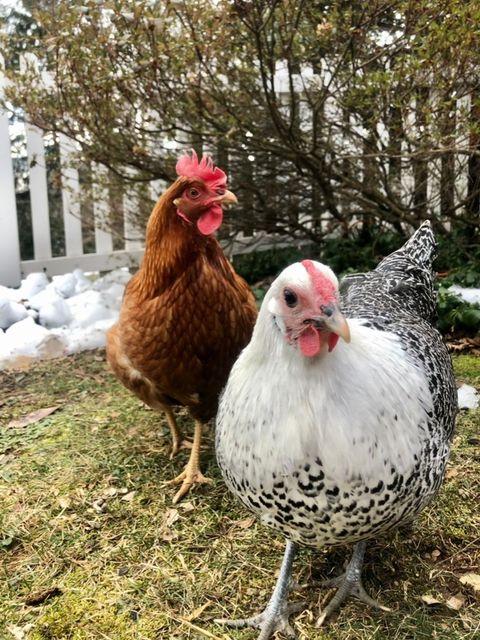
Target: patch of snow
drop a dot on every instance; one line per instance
(90, 306)
(11, 312)
(115, 293)
(468, 295)
(85, 338)
(26, 339)
(10, 294)
(46, 319)
(48, 295)
(65, 285)
(32, 284)
(82, 282)
(117, 276)
(55, 314)
(468, 397)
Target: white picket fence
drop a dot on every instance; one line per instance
(12, 267)
(105, 258)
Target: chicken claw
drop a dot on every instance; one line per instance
(269, 621)
(188, 478)
(349, 584)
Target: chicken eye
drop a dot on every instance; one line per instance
(193, 193)
(290, 298)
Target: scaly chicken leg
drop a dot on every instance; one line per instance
(275, 615)
(349, 584)
(177, 437)
(191, 474)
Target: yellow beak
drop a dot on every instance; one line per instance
(228, 198)
(337, 323)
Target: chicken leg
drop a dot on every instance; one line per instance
(191, 474)
(275, 615)
(177, 437)
(349, 584)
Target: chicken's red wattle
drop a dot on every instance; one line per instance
(211, 220)
(310, 342)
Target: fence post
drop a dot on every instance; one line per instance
(70, 199)
(462, 142)
(101, 209)
(9, 245)
(37, 170)
(42, 247)
(133, 235)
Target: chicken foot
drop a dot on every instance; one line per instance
(276, 613)
(178, 442)
(349, 584)
(191, 474)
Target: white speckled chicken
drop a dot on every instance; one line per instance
(334, 442)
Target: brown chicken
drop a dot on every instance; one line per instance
(186, 314)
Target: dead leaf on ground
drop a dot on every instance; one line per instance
(461, 345)
(456, 602)
(246, 523)
(452, 472)
(6, 457)
(196, 613)
(31, 418)
(128, 497)
(471, 580)
(171, 516)
(430, 600)
(166, 533)
(64, 502)
(187, 507)
(99, 505)
(38, 597)
(20, 633)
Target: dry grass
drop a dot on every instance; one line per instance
(127, 566)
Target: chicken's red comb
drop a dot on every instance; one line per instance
(189, 166)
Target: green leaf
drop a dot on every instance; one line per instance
(470, 317)
(6, 542)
